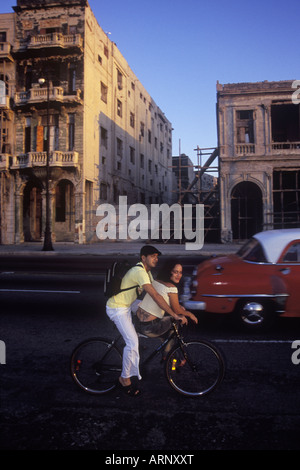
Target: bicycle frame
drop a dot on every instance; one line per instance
(158, 349)
(177, 380)
(164, 343)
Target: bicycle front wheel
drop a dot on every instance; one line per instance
(195, 368)
(96, 365)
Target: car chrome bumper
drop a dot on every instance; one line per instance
(194, 305)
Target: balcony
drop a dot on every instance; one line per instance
(55, 40)
(39, 159)
(279, 148)
(273, 149)
(39, 95)
(4, 102)
(52, 41)
(4, 161)
(245, 149)
(5, 48)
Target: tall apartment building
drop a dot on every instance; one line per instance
(259, 157)
(183, 169)
(107, 137)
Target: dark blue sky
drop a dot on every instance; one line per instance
(178, 49)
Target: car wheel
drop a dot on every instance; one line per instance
(253, 314)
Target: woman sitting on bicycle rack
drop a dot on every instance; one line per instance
(151, 320)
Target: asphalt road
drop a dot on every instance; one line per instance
(257, 407)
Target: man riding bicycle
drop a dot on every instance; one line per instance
(118, 309)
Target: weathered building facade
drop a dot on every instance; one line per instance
(259, 157)
(61, 76)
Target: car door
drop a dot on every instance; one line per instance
(289, 271)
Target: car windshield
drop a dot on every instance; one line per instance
(252, 251)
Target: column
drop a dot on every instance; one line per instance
(80, 235)
(19, 233)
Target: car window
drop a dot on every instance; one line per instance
(252, 251)
(293, 254)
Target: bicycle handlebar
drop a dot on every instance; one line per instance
(177, 323)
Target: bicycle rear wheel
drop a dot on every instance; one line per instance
(96, 365)
(195, 369)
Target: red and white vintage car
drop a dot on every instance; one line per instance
(258, 282)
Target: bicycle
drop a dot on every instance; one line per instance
(193, 368)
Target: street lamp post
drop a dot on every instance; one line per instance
(47, 237)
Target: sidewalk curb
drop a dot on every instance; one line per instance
(113, 249)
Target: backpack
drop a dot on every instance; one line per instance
(114, 276)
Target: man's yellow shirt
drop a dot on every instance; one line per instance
(136, 276)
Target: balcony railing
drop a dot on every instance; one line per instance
(245, 149)
(50, 40)
(39, 159)
(275, 148)
(37, 95)
(55, 40)
(279, 147)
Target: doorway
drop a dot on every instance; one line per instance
(64, 211)
(32, 212)
(246, 210)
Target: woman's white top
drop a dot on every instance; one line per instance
(150, 306)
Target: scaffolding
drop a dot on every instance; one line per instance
(197, 192)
